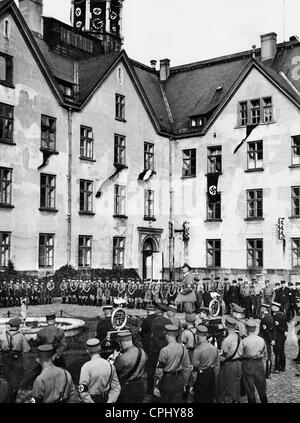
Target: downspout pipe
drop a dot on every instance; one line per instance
(171, 214)
(69, 180)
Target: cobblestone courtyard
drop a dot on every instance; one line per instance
(283, 387)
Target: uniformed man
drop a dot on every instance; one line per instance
(13, 348)
(234, 293)
(158, 341)
(173, 369)
(283, 297)
(266, 331)
(4, 387)
(171, 315)
(146, 331)
(206, 367)
(98, 382)
(104, 325)
(53, 335)
(188, 336)
(280, 334)
(187, 294)
(231, 366)
(238, 313)
(54, 384)
(253, 352)
(268, 293)
(130, 366)
(297, 331)
(246, 299)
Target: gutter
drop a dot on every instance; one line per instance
(69, 180)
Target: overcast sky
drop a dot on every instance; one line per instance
(190, 30)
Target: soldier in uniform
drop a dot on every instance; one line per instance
(239, 315)
(254, 350)
(234, 293)
(206, 367)
(146, 331)
(297, 330)
(4, 387)
(13, 348)
(246, 299)
(187, 295)
(188, 336)
(104, 324)
(292, 298)
(55, 336)
(173, 369)
(54, 384)
(130, 366)
(63, 291)
(268, 293)
(198, 292)
(231, 366)
(98, 382)
(280, 334)
(171, 315)
(158, 341)
(283, 298)
(266, 331)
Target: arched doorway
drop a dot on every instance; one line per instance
(148, 249)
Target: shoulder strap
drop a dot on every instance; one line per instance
(194, 335)
(107, 388)
(182, 354)
(62, 394)
(237, 347)
(134, 368)
(9, 341)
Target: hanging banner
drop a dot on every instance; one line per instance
(212, 187)
(79, 14)
(114, 16)
(98, 16)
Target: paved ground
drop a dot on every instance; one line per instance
(283, 387)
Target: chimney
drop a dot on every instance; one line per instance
(164, 69)
(32, 11)
(268, 46)
(153, 64)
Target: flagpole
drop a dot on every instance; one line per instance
(283, 20)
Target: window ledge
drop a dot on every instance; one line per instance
(86, 159)
(150, 218)
(188, 176)
(6, 206)
(294, 166)
(214, 173)
(7, 84)
(48, 151)
(213, 267)
(120, 166)
(48, 209)
(120, 216)
(258, 169)
(254, 219)
(7, 142)
(294, 217)
(120, 119)
(213, 220)
(87, 213)
(261, 123)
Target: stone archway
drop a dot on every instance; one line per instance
(149, 247)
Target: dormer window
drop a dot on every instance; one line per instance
(196, 121)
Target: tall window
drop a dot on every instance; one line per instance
(120, 150)
(85, 196)
(48, 139)
(213, 253)
(149, 204)
(296, 201)
(254, 253)
(48, 191)
(254, 203)
(259, 110)
(118, 251)
(120, 106)
(4, 248)
(6, 123)
(6, 69)
(296, 150)
(120, 200)
(84, 251)
(295, 252)
(86, 142)
(214, 159)
(148, 156)
(255, 154)
(214, 208)
(5, 185)
(189, 162)
(46, 250)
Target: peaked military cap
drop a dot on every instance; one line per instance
(107, 307)
(186, 265)
(150, 307)
(237, 309)
(190, 317)
(46, 350)
(290, 284)
(172, 307)
(277, 284)
(251, 324)
(202, 330)
(234, 281)
(15, 322)
(93, 345)
(282, 282)
(230, 322)
(196, 279)
(50, 316)
(125, 335)
(204, 310)
(297, 283)
(171, 330)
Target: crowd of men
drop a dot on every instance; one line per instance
(248, 295)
